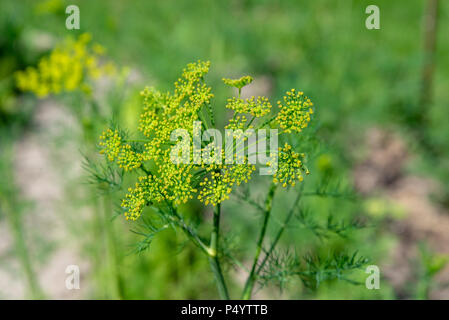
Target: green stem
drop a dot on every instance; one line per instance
(213, 255)
(247, 291)
(136, 140)
(211, 251)
(103, 209)
(112, 248)
(190, 233)
(279, 233)
(15, 220)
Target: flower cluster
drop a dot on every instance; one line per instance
(295, 112)
(68, 67)
(257, 107)
(163, 180)
(112, 145)
(238, 83)
(110, 141)
(290, 167)
(165, 112)
(216, 187)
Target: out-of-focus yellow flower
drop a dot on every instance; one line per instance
(49, 6)
(380, 208)
(324, 163)
(70, 66)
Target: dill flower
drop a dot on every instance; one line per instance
(236, 123)
(217, 188)
(69, 67)
(257, 107)
(295, 111)
(238, 83)
(163, 113)
(128, 159)
(110, 142)
(163, 180)
(144, 192)
(135, 199)
(113, 146)
(290, 167)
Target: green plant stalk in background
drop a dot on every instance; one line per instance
(15, 220)
(280, 232)
(13, 212)
(247, 291)
(213, 255)
(102, 207)
(113, 259)
(75, 66)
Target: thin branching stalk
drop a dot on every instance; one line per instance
(177, 219)
(213, 255)
(247, 291)
(279, 233)
(211, 251)
(112, 248)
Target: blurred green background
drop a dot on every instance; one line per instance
(376, 132)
